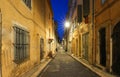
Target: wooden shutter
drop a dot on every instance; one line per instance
(86, 7)
(79, 13)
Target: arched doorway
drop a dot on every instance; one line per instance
(116, 49)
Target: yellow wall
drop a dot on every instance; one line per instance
(81, 29)
(49, 28)
(16, 12)
(106, 16)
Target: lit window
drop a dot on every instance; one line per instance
(28, 3)
(21, 44)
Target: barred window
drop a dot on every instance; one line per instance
(21, 44)
(28, 3)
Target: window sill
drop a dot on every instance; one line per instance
(21, 61)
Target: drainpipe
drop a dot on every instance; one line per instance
(93, 35)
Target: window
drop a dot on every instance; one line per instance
(49, 32)
(103, 1)
(28, 3)
(21, 44)
(49, 15)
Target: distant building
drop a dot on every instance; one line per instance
(25, 29)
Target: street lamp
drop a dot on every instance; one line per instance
(67, 24)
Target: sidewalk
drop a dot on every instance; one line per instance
(36, 70)
(93, 68)
(39, 68)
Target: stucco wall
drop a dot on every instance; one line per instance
(16, 12)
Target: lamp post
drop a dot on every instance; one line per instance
(67, 25)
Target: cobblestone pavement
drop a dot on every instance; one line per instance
(64, 65)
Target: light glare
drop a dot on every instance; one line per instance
(67, 24)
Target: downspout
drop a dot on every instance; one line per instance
(93, 35)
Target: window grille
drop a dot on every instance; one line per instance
(21, 44)
(28, 3)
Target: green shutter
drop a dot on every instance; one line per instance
(86, 7)
(79, 13)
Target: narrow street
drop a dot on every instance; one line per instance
(64, 65)
(59, 38)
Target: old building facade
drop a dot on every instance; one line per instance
(23, 35)
(81, 31)
(107, 30)
(50, 25)
(94, 34)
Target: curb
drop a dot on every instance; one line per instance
(92, 68)
(42, 67)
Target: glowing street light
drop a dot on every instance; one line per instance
(67, 24)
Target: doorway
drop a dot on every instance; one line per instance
(85, 44)
(116, 49)
(102, 41)
(79, 45)
(41, 48)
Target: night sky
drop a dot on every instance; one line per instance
(60, 9)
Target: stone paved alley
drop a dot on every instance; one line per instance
(64, 65)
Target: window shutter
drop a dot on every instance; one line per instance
(29, 4)
(86, 7)
(79, 13)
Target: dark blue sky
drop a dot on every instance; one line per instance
(60, 9)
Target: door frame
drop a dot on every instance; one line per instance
(100, 52)
(41, 48)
